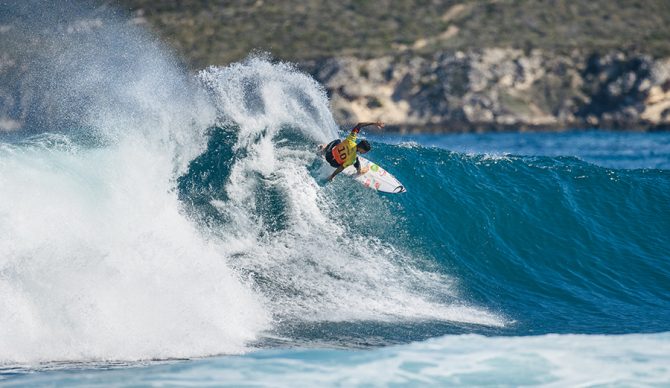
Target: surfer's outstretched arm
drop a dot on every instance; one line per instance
(358, 126)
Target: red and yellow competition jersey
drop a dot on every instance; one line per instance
(345, 152)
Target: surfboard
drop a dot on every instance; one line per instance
(375, 178)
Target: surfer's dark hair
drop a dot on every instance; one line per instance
(365, 146)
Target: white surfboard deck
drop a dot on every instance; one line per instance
(375, 178)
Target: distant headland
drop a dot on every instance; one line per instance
(481, 65)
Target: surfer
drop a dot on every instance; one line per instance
(342, 154)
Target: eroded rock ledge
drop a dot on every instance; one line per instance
(480, 90)
(501, 89)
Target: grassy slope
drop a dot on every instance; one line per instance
(218, 32)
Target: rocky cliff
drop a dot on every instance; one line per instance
(478, 90)
(420, 65)
(501, 89)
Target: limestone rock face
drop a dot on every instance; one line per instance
(478, 90)
(497, 89)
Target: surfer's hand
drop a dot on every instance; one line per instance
(379, 124)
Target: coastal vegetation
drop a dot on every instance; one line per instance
(220, 32)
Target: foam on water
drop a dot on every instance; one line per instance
(455, 361)
(99, 263)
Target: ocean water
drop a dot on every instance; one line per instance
(165, 228)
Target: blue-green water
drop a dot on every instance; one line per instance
(549, 244)
(511, 246)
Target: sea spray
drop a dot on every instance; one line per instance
(97, 257)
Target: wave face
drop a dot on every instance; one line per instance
(541, 244)
(560, 245)
(149, 214)
(316, 253)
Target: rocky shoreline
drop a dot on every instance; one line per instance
(476, 91)
(500, 90)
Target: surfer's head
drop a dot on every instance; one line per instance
(363, 147)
